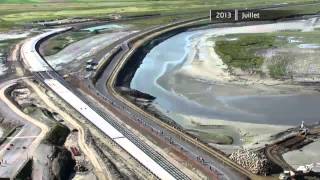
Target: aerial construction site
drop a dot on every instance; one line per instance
(151, 90)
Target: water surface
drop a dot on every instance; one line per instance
(176, 94)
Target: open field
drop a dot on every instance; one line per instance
(17, 12)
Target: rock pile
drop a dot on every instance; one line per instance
(255, 162)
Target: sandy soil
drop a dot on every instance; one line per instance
(202, 62)
(205, 64)
(41, 163)
(251, 135)
(307, 155)
(84, 177)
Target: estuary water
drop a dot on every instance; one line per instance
(179, 94)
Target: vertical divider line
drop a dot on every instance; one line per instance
(236, 18)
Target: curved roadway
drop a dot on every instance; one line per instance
(143, 153)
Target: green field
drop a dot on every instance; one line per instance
(241, 53)
(18, 12)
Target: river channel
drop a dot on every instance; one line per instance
(177, 93)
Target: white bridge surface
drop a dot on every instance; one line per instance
(31, 57)
(109, 130)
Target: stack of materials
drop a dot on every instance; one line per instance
(255, 162)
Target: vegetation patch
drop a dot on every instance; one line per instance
(281, 53)
(29, 109)
(5, 25)
(241, 52)
(57, 43)
(57, 135)
(211, 137)
(278, 69)
(18, 12)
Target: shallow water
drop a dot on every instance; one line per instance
(183, 95)
(104, 27)
(309, 46)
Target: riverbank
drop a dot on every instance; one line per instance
(203, 62)
(194, 87)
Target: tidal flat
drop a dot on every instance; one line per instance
(191, 83)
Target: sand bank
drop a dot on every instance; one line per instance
(251, 135)
(203, 63)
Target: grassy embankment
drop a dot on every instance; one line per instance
(18, 12)
(209, 136)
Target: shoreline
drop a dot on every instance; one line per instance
(213, 86)
(204, 64)
(252, 135)
(198, 65)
